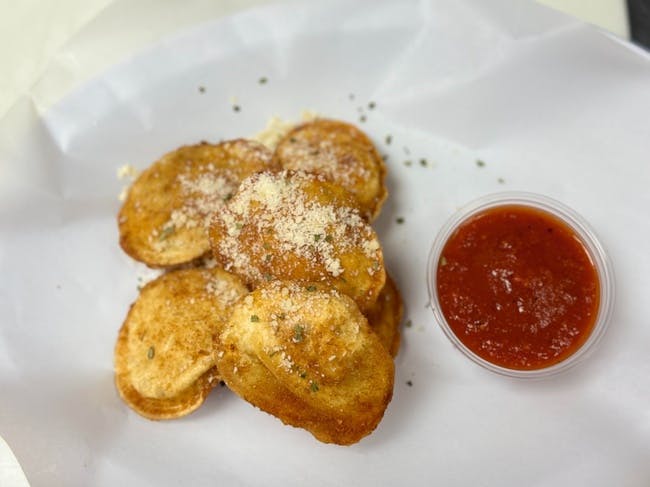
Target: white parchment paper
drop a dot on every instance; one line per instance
(549, 105)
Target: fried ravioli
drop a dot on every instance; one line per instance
(341, 152)
(306, 354)
(297, 226)
(385, 316)
(164, 361)
(167, 209)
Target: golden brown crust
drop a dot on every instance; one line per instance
(307, 355)
(164, 361)
(301, 227)
(385, 316)
(341, 152)
(164, 218)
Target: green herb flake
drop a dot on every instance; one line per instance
(362, 118)
(201, 89)
(399, 220)
(293, 140)
(314, 387)
(408, 324)
(443, 261)
(298, 333)
(317, 237)
(501, 181)
(371, 105)
(303, 375)
(408, 163)
(228, 197)
(166, 232)
(311, 288)
(236, 108)
(424, 162)
(328, 238)
(274, 352)
(238, 226)
(255, 318)
(151, 353)
(409, 383)
(268, 257)
(268, 277)
(389, 139)
(480, 163)
(263, 80)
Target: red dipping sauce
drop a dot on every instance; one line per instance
(517, 287)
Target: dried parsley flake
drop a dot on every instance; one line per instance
(298, 333)
(166, 232)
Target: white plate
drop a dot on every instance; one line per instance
(550, 106)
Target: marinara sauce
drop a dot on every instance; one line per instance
(517, 287)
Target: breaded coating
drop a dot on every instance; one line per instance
(164, 360)
(385, 316)
(343, 154)
(297, 226)
(306, 354)
(167, 209)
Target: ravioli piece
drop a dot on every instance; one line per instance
(164, 360)
(343, 154)
(297, 226)
(164, 218)
(386, 315)
(306, 354)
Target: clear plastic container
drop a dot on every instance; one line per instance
(591, 243)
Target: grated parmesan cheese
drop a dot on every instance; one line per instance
(127, 171)
(288, 207)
